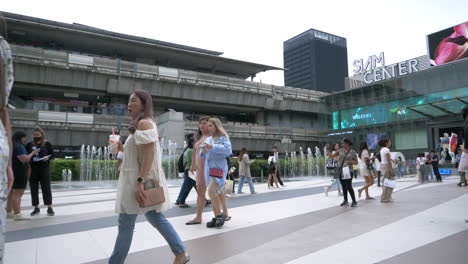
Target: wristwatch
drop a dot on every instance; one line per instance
(140, 180)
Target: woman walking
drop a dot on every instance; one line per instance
(244, 171)
(142, 163)
(346, 158)
(198, 167)
(6, 172)
(215, 150)
(388, 172)
(188, 183)
(272, 168)
(421, 168)
(20, 168)
(364, 166)
(40, 171)
(336, 179)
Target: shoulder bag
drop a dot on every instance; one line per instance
(154, 194)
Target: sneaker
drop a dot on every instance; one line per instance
(354, 204)
(345, 203)
(50, 211)
(11, 215)
(36, 211)
(20, 217)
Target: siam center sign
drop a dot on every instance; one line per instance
(374, 69)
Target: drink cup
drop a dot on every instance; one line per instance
(113, 143)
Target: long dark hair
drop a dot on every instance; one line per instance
(363, 147)
(17, 136)
(147, 102)
(199, 133)
(383, 142)
(242, 152)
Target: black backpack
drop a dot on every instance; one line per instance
(271, 166)
(180, 162)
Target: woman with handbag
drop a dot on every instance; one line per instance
(388, 172)
(244, 171)
(332, 163)
(142, 187)
(346, 158)
(366, 168)
(215, 150)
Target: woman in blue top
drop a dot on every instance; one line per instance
(215, 150)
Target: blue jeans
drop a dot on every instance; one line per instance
(126, 226)
(249, 181)
(187, 186)
(337, 183)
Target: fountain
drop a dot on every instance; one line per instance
(318, 155)
(97, 164)
(293, 164)
(285, 164)
(310, 157)
(302, 163)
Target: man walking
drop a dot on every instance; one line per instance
(435, 165)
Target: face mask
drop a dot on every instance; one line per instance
(37, 139)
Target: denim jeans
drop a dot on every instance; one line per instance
(187, 186)
(126, 226)
(249, 181)
(337, 183)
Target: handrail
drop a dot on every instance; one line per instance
(121, 67)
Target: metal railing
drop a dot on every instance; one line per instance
(146, 71)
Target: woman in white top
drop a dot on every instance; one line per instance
(6, 171)
(368, 174)
(421, 167)
(141, 163)
(272, 168)
(387, 170)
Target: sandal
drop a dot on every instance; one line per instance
(193, 222)
(184, 205)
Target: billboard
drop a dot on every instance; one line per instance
(448, 45)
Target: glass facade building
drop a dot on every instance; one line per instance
(414, 110)
(315, 60)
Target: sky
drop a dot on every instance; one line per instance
(255, 30)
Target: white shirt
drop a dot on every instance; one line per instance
(271, 158)
(362, 163)
(383, 154)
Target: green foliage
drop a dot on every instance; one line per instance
(57, 165)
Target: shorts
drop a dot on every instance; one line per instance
(20, 176)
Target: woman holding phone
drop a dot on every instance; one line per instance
(215, 150)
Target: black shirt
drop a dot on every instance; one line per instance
(46, 150)
(435, 159)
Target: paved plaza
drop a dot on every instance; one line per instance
(296, 224)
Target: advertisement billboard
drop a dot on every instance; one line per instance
(448, 45)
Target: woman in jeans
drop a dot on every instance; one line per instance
(244, 170)
(142, 162)
(346, 158)
(215, 150)
(336, 181)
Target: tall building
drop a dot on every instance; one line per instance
(315, 60)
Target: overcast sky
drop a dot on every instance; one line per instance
(255, 30)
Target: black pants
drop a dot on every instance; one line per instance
(279, 180)
(347, 186)
(435, 168)
(379, 174)
(187, 186)
(40, 174)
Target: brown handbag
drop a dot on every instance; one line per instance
(154, 194)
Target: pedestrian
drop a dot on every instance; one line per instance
(435, 165)
(399, 167)
(141, 167)
(230, 174)
(276, 160)
(40, 171)
(198, 168)
(346, 158)
(333, 164)
(20, 173)
(244, 171)
(429, 168)
(387, 171)
(215, 150)
(377, 159)
(188, 183)
(365, 167)
(421, 168)
(463, 167)
(272, 168)
(463, 181)
(6, 171)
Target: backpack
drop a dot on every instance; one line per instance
(180, 163)
(271, 166)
